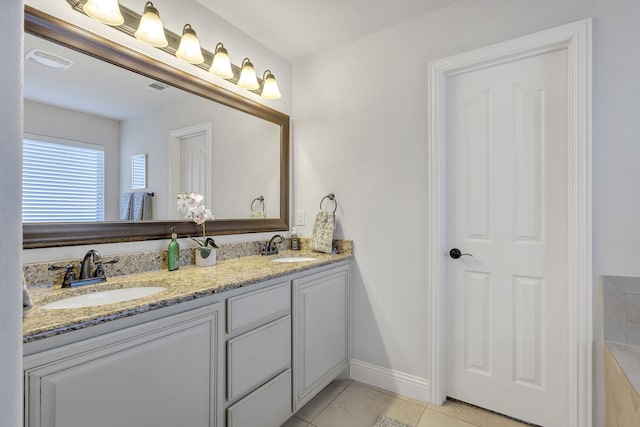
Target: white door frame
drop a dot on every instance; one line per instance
(575, 38)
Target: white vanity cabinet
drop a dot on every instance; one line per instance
(163, 373)
(320, 331)
(242, 358)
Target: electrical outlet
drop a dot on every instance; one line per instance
(300, 217)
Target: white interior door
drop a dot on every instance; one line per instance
(507, 194)
(190, 163)
(194, 165)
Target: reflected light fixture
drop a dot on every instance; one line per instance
(189, 48)
(105, 11)
(270, 88)
(151, 30)
(221, 65)
(248, 79)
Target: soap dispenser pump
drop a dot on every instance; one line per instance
(173, 256)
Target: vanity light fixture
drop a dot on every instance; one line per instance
(189, 49)
(270, 88)
(105, 11)
(221, 65)
(186, 47)
(248, 79)
(151, 30)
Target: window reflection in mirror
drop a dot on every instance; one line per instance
(139, 172)
(62, 180)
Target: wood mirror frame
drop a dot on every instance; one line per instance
(38, 235)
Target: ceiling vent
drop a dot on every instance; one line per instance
(158, 86)
(48, 59)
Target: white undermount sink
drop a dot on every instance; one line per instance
(294, 259)
(97, 298)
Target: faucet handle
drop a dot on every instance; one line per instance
(99, 271)
(262, 248)
(69, 274)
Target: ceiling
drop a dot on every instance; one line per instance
(299, 28)
(291, 28)
(91, 85)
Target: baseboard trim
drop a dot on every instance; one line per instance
(395, 381)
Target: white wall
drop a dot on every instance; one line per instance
(52, 121)
(10, 253)
(360, 131)
(246, 156)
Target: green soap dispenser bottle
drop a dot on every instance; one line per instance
(295, 240)
(173, 257)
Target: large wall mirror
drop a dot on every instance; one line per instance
(193, 135)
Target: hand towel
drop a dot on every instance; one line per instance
(141, 209)
(126, 204)
(258, 214)
(322, 236)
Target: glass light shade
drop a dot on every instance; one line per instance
(151, 30)
(270, 88)
(221, 65)
(189, 49)
(248, 79)
(105, 11)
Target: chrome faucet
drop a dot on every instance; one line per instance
(271, 248)
(91, 257)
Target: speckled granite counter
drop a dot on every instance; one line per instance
(185, 284)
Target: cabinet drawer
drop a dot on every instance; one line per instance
(255, 308)
(268, 406)
(256, 356)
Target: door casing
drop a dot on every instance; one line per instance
(576, 39)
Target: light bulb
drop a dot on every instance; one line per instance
(105, 11)
(151, 30)
(270, 88)
(248, 79)
(189, 49)
(221, 65)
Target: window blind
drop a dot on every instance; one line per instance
(62, 183)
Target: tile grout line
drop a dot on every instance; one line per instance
(421, 415)
(393, 394)
(304, 421)
(457, 416)
(330, 402)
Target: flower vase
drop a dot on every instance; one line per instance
(205, 257)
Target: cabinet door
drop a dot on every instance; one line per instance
(320, 331)
(162, 373)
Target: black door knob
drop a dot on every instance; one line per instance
(455, 253)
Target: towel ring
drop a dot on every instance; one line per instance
(257, 199)
(331, 197)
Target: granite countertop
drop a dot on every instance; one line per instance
(185, 284)
(628, 357)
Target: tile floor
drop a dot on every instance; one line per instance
(348, 403)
